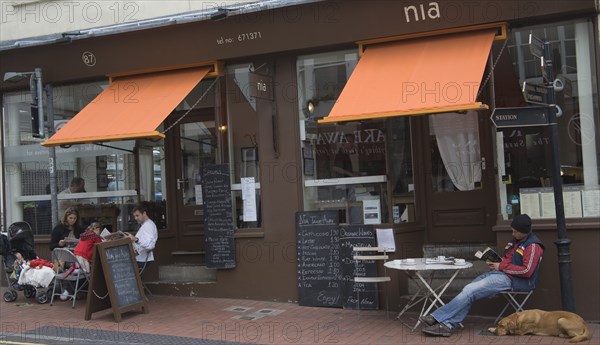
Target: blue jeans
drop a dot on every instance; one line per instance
(485, 285)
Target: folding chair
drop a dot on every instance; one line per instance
(69, 273)
(362, 254)
(515, 299)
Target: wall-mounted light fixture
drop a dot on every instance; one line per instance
(310, 107)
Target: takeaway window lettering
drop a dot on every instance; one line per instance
(524, 153)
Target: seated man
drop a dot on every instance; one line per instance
(517, 271)
(146, 236)
(77, 185)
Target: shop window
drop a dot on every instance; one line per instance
(344, 165)
(456, 154)
(401, 170)
(152, 180)
(524, 153)
(245, 116)
(108, 173)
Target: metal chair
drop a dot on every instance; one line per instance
(514, 299)
(69, 272)
(366, 254)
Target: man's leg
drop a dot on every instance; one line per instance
(485, 285)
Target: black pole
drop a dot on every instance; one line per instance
(52, 157)
(563, 243)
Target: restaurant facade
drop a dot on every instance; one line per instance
(379, 110)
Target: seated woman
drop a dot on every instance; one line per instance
(69, 227)
(84, 249)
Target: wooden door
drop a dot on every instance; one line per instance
(460, 182)
(191, 143)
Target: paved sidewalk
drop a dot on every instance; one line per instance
(195, 320)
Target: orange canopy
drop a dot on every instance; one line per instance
(416, 76)
(129, 108)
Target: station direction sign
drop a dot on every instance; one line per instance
(521, 117)
(535, 93)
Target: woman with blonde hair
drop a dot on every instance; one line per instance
(69, 227)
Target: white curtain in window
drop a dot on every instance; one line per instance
(457, 137)
(146, 173)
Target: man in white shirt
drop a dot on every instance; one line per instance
(145, 238)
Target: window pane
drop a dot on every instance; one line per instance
(246, 114)
(107, 173)
(401, 170)
(344, 165)
(525, 153)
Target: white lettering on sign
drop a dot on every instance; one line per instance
(506, 117)
(419, 12)
(261, 86)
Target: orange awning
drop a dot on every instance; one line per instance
(130, 107)
(416, 76)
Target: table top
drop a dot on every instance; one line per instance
(423, 264)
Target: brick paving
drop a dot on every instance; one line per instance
(196, 320)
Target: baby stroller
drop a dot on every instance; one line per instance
(18, 246)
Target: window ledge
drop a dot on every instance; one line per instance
(550, 224)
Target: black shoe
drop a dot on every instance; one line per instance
(438, 330)
(428, 320)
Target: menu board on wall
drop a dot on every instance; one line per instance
(358, 236)
(218, 216)
(591, 202)
(547, 204)
(572, 202)
(318, 258)
(530, 202)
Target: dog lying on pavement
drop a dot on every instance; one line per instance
(540, 322)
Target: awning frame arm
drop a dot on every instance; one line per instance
(192, 107)
(115, 148)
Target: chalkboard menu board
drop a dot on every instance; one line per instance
(358, 236)
(123, 275)
(218, 216)
(318, 258)
(115, 280)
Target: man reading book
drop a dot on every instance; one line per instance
(517, 271)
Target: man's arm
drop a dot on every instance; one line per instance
(531, 258)
(146, 237)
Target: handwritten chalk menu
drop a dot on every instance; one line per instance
(358, 236)
(218, 216)
(318, 258)
(123, 275)
(115, 280)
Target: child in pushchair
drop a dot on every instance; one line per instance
(18, 255)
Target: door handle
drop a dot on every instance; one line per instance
(181, 183)
(482, 163)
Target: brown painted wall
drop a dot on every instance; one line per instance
(266, 263)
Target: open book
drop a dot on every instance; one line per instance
(488, 255)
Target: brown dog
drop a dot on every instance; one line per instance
(540, 322)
